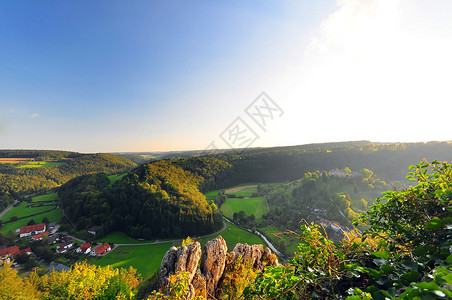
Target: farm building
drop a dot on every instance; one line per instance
(32, 229)
(101, 249)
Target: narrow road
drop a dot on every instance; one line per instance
(173, 241)
(6, 210)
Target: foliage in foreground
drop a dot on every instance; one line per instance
(412, 260)
(83, 281)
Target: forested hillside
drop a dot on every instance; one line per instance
(388, 160)
(330, 198)
(162, 198)
(34, 170)
(158, 199)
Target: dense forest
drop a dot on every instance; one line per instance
(389, 160)
(158, 199)
(16, 178)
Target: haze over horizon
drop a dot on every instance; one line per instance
(89, 76)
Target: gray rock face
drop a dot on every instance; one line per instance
(213, 262)
(167, 266)
(204, 281)
(188, 258)
(250, 254)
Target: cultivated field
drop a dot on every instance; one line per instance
(29, 163)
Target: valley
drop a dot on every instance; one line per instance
(140, 213)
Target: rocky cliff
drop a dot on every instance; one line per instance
(207, 280)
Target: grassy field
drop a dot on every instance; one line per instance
(114, 178)
(234, 235)
(39, 164)
(291, 240)
(22, 211)
(251, 206)
(145, 258)
(118, 237)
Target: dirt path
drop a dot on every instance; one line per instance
(238, 188)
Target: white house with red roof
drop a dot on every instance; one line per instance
(12, 251)
(40, 236)
(32, 229)
(85, 248)
(101, 249)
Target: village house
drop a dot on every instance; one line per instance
(85, 248)
(8, 252)
(64, 247)
(12, 251)
(40, 236)
(101, 249)
(53, 239)
(32, 229)
(93, 230)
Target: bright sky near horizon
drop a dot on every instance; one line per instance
(111, 76)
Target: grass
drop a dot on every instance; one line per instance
(39, 164)
(114, 178)
(46, 197)
(53, 216)
(251, 206)
(145, 259)
(234, 235)
(21, 211)
(117, 237)
(291, 240)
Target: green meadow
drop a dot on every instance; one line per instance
(39, 164)
(114, 178)
(117, 237)
(145, 259)
(234, 235)
(251, 206)
(22, 211)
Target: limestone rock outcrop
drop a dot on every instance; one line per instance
(213, 262)
(205, 280)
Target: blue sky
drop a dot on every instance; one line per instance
(98, 76)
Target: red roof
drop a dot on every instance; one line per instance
(28, 250)
(101, 248)
(85, 247)
(31, 228)
(39, 236)
(11, 250)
